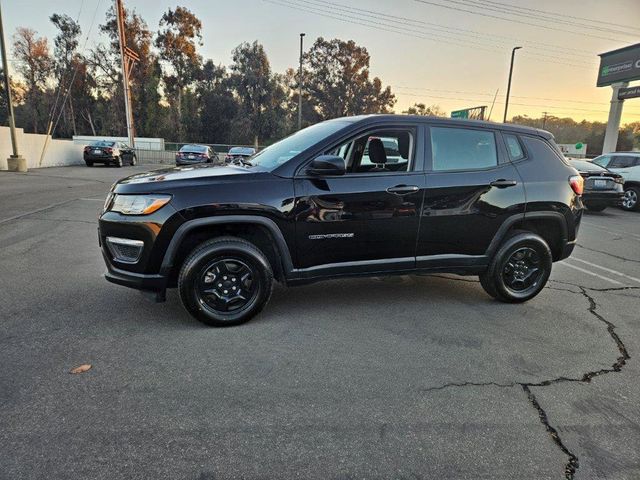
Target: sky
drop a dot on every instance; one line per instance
(455, 57)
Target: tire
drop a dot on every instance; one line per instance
(631, 199)
(212, 266)
(595, 208)
(134, 161)
(89, 164)
(514, 261)
(118, 162)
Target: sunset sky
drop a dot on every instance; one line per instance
(455, 57)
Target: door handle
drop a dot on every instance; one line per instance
(502, 183)
(403, 189)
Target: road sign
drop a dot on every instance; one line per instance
(629, 92)
(621, 65)
(474, 113)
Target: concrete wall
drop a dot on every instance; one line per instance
(59, 152)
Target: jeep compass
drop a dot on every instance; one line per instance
(367, 195)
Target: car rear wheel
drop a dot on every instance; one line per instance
(630, 200)
(118, 162)
(225, 282)
(89, 163)
(520, 268)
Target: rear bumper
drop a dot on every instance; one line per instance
(612, 198)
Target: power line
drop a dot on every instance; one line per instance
(562, 100)
(510, 10)
(537, 25)
(447, 29)
(546, 12)
(417, 33)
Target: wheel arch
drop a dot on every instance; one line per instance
(261, 231)
(551, 226)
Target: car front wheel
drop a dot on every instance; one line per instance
(520, 268)
(225, 281)
(630, 200)
(134, 161)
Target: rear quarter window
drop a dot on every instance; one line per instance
(539, 149)
(513, 147)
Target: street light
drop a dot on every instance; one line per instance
(15, 162)
(506, 102)
(300, 86)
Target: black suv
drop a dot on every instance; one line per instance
(466, 197)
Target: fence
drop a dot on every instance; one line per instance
(168, 155)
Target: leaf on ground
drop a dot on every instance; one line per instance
(81, 369)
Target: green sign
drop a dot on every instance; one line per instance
(579, 146)
(460, 114)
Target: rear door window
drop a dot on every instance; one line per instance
(462, 149)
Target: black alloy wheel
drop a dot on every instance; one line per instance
(520, 268)
(225, 281)
(227, 285)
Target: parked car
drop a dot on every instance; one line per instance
(109, 153)
(602, 188)
(192, 154)
(312, 207)
(239, 155)
(626, 164)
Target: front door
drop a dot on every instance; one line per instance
(471, 189)
(367, 219)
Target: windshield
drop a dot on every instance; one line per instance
(242, 151)
(103, 143)
(193, 148)
(287, 148)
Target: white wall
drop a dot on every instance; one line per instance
(59, 152)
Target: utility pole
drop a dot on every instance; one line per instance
(300, 86)
(544, 119)
(127, 57)
(15, 162)
(506, 102)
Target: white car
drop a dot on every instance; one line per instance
(626, 164)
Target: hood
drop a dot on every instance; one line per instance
(157, 180)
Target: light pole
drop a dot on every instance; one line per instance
(15, 162)
(300, 86)
(506, 102)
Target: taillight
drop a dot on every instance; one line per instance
(87, 148)
(577, 184)
(109, 150)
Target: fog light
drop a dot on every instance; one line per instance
(125, 250)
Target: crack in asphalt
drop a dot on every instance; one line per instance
(573, 461)
(619, 257)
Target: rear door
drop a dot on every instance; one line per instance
(625, 165)
(471, 189)
(367, 219)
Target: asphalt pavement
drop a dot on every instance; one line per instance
(393, 378)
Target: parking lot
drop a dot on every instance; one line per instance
(397, 377)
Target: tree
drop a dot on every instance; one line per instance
(35, 64)
(422, 109)
(337, 78)
(177, 41)
(67, 65)
(17, 94)
(145, 78)
(259, 91)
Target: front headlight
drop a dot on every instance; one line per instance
(138, 204)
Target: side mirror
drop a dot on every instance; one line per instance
(327, 165)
